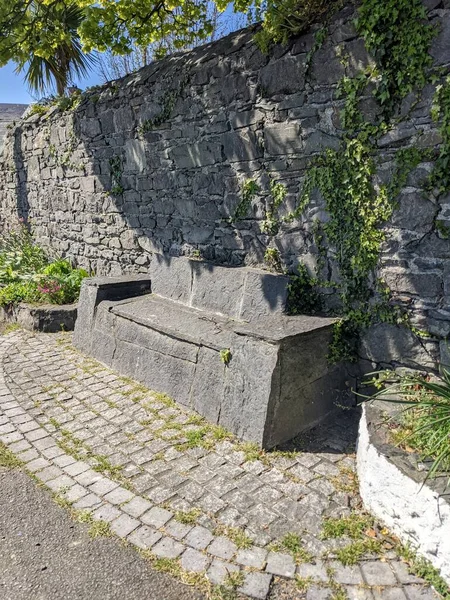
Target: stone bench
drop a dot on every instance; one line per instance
(173, 329)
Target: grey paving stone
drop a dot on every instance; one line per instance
(317, 571)
(29, 455)
(157, 517)
(222, 547)
(137, 506)
(220, 570)
(280, 564)
(21, 446)
(61, 483)
(318, 593)
(10, 438)
(49, 473)
(194, 561)
(177, 530)
(401, 571)
(76, 468)
(52, 452)
(103, 486)
(119, 495)
(87, 502)
(38, 464)
(144, 537)
(378, 573)
(357, 592)
(106, 512)
(37, 434)
(252, 557)
(347, 575)
(389, 593)
(44, 443)
(124, 525)
(256, 585)
(75, 493)
(88, 477)
(63, 460)
(420, 592)
(168, 548)
(199, 537)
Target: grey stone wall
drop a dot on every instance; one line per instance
(108, 194)
(8, 114)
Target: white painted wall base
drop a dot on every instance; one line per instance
(415, 513)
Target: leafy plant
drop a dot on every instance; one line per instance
(303, 297)
(225, 356)
(425, 419)
(28, 275)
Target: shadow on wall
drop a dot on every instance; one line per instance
(154, 165)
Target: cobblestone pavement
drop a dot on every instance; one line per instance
(168, 482)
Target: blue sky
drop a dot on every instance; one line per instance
(14, 91)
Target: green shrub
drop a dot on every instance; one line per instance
(28, 274)
(424, 424)
(20, 256)
(19, 291)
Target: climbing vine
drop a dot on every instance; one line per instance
(398, 36)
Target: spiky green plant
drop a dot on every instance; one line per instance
(425, 418)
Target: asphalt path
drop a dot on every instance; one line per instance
(45, 555)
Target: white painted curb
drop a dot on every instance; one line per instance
(415, 513)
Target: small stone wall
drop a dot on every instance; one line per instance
(50, 318)
(9, 113)
(393, 489)
(155, 163)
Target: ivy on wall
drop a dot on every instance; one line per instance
(398, 36)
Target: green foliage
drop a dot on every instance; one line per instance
(425, 420)
(167, 104)
(278, 192)
(286, 18)
(249, 190)
(272, 259)
(115, 165)
(303, 297)
(422, 568)
(440, 176)
(352, 526)
(27, 275)
(225, 356)
(20, 257)
(398, 36)
(50, 54)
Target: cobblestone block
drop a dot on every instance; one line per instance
(168, 548)
(176, 529)
(199, 537)
(76, 468)
(222, 547)
(60, 484)
(280, 564)
(103, 486)
(106, 512)
(37, 464)
(144, 537)
(378, 573)
(194, 561)
(49, 473)
(137, 506)
(124, 525)
(256, 585)
(317, 572)
(347, 575)
(87, 502)
(156, 517)
(252, 557)
(119, 496)
(220, 570)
